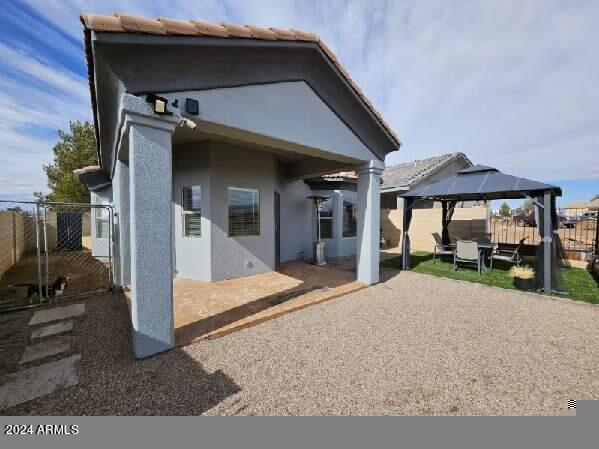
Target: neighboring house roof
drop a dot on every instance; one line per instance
(409, 173)
(127, 23)
(584, 205)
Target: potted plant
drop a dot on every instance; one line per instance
(524, 278)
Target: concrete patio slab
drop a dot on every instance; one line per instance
(52, 329)
(57, 313)
(45, 349)
(213, 309)
(39, 381)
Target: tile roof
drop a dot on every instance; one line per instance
(341, 176)
(127, 23)
(409, 173)
(84, 170)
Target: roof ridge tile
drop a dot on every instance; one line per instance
(139, 24)
(237, 30)
(210, 29)
(123, 22)
(173, 26)
(262, 33)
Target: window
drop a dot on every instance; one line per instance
(326, 219)
(102, 223)
(192, 211)
(244, 211)
(350, 219)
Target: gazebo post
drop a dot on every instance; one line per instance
(547, 242)
(408, 204)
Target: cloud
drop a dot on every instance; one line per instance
(512, 84)
(35, 100)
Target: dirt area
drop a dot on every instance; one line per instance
(112, 381)
(84, 274)
(414, 344)
(14, 336)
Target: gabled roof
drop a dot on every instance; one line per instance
(481, 182)
(127, 23)
(410, 173)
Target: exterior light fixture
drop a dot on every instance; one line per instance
(159, 104)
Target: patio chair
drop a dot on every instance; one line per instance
(512, 256)
(467, 252)
(440, 248)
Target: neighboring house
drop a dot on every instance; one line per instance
(337, 212)
(338, 216)
(223, 195)
(401, 178)
(470, 219)
(578, 208)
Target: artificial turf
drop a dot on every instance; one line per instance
(580, 285)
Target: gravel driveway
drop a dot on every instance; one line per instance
(415, 344)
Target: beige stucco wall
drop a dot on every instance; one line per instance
(17, 237)
(467, 222)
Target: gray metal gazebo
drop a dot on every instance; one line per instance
(480, 182)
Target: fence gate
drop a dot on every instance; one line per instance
(50, 251)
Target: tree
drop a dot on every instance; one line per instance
(596, 197)
(504, 210)
(527, 207)
(75, 149)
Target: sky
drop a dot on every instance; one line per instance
(512, 84)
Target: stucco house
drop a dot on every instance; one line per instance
(205, 135)
(401, 178)
(471, 219)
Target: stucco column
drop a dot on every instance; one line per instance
(150, 231)
(369, 211)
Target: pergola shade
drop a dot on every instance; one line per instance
(480, 182)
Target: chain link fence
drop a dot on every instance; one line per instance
(50, 251)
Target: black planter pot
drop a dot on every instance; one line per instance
(524, 283)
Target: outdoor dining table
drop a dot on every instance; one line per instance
(484, 249)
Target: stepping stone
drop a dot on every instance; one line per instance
(57, 313)
(52, 329)
(39, 381)
(45, 349)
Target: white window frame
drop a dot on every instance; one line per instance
(102, 218)
(190, 212)
(332, 200)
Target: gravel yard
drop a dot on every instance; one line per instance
(415, 344)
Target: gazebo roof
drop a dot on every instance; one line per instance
(480, 182)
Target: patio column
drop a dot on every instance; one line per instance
(369, 223)
(149, 139)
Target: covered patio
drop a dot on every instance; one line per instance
(204, 158)
(482, 183)
(214, 309)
